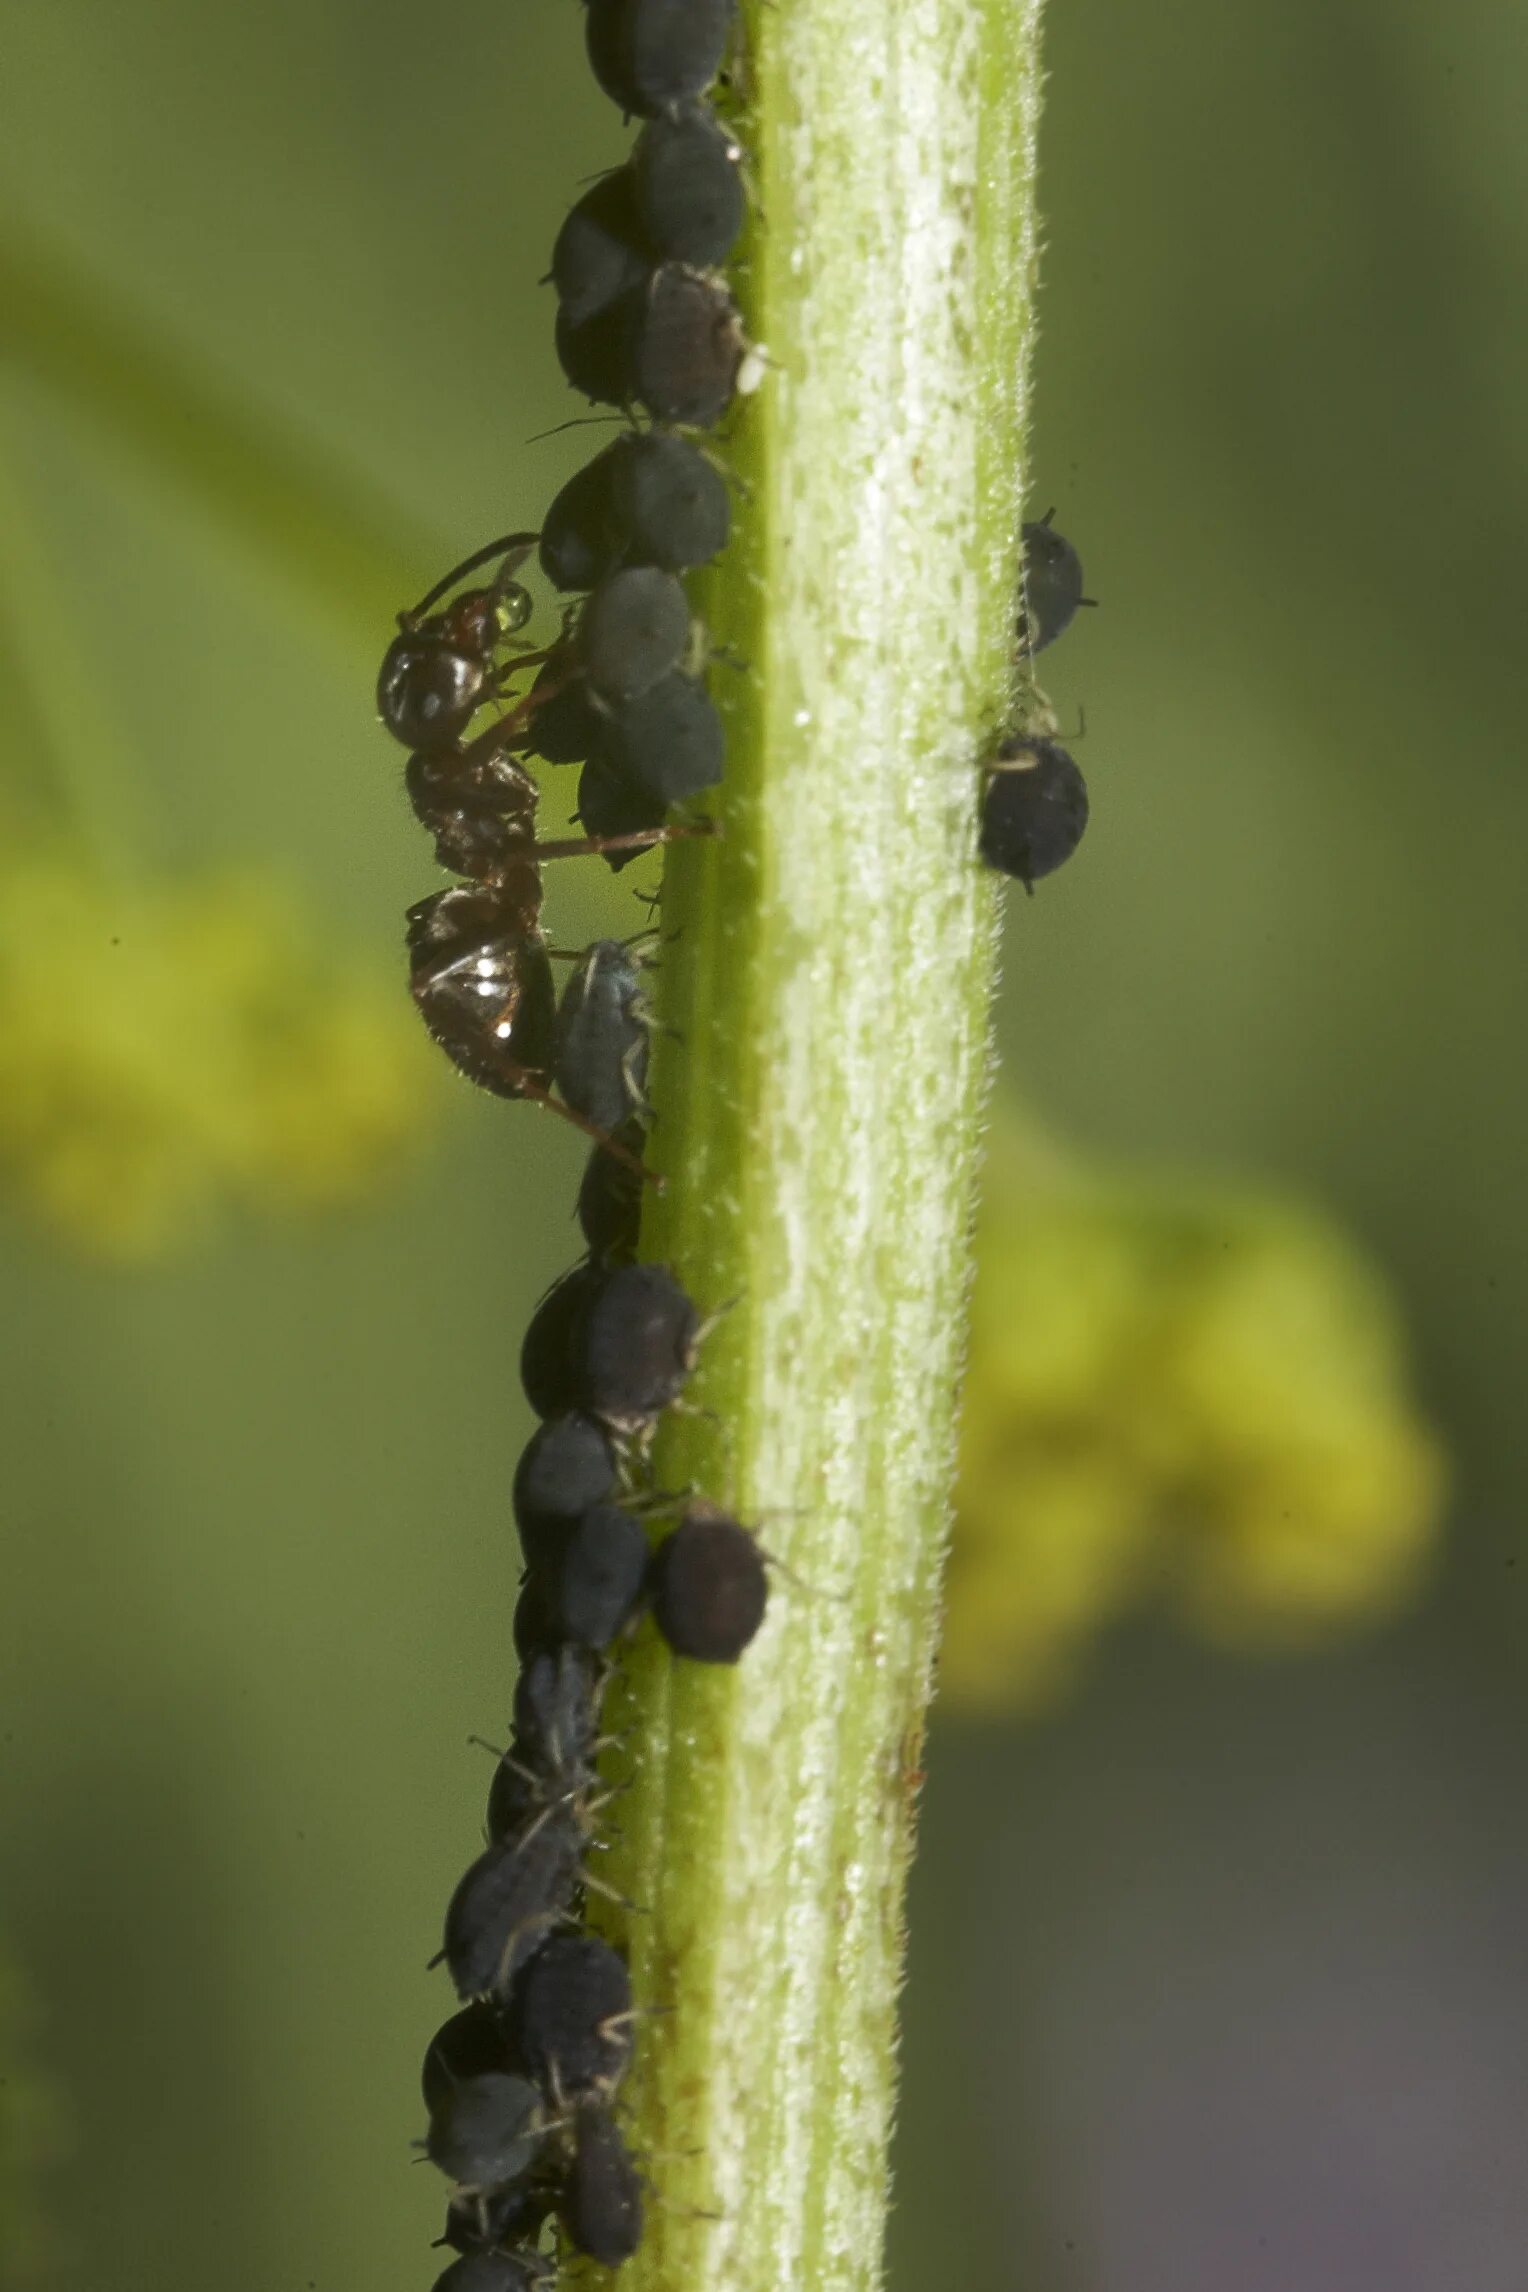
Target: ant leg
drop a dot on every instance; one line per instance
(527, 1087)
(515, 545)
(504, 729)
(640, 839)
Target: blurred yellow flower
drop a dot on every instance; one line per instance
(169, 1052)
(1178, 1389)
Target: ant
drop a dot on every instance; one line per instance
(480, 968)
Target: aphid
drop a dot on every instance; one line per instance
(1034, 809)
(521, 1792)
(568, 1465)
(689, 188)
(548, 1368)
(486, 2130)
(650, 55)
(636, 1342)
(557, 1712)
(439, 669)
(596, 353)
(648, 499)
(601, 2206)
(566, 723)
(603, 1031)
(534, 1630)
(686, 348)
(508, 1898)
(611, 806)
(476, 2220)
(469, 2044)
(520, 2271)
(668, 503)
(595, 1581)
(573, 2017)
(1052, 586)
(610, 1202)
(709, 1588)
(634, 629)
(599, 254)
(668, 745)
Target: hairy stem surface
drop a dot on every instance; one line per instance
(818, 1112)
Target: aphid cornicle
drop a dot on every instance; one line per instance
(572, 2014)
(601, 2206)
(1052, 586)
(651, 55)
(688, 185)
(603, 1033)
(485, 2130)
(440, 668)
(1034, 809)
(709, 1587)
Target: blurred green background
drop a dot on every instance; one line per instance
(1218, 1965)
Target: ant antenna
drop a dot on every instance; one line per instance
(514, 548)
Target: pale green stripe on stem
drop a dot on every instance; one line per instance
(819, 1114)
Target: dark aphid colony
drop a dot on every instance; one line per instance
(1034, 801)
(519, 2082)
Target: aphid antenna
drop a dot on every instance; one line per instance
(514, 548)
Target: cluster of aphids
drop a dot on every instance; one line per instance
(1034, 802)
(521, 2085)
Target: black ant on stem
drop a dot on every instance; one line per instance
(480, 968)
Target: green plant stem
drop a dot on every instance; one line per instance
(818, 1114)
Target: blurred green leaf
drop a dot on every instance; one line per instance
(329, 536)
